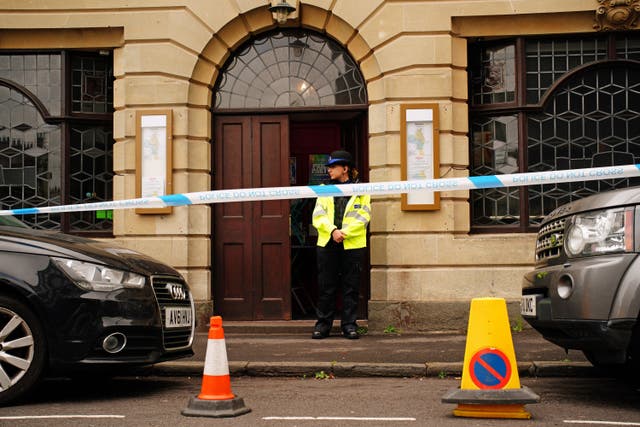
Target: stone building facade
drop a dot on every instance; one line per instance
(425, 265)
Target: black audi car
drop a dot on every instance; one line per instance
(68, 303)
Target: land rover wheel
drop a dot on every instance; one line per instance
(22, 349)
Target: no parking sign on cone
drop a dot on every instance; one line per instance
(490, 386)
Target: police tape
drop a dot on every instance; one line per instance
(371, 188)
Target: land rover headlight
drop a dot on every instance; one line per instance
(95, 277)
(600, 232)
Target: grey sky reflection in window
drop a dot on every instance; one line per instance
(290, 69)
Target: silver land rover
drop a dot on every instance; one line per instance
(584, 292)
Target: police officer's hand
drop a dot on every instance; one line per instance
(337, 236)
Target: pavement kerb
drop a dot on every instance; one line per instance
(563, 369)
(347, 369)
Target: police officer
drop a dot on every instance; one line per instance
(342, 238)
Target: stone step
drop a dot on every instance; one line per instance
(277, 326)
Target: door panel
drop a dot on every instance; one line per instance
(271, 218)
(232, 221)
(251, 239)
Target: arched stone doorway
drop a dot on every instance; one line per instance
(283, 100)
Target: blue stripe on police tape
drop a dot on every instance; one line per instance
(486, 181)
(326, 190)
(175, 200)
(26, 211)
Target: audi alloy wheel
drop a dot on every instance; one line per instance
(22, 349)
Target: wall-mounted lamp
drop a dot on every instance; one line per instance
(282, 11)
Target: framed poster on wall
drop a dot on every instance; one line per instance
(419, 153)
(317, 169)
(153, 157)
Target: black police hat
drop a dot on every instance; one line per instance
(340, 157)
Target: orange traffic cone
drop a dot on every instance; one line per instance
(490, 386)
(215, 398)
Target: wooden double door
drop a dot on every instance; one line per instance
(251, 254)
(264, 252)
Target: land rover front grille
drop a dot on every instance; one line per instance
(173, 292)
(550, 240)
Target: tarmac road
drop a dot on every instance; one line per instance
(276, 402)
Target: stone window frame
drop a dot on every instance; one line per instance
(511, 117)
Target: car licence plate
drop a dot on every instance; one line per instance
(528, 305)
(177, 317)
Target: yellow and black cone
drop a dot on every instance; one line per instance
(490, 386)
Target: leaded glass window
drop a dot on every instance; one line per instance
(591, 121)
(628, 47)
(50, 156)
(92, 87)
(40, 74)
(495, 151)
(30, 164)
(549, 59)
(495, 79)
(590, 118)
(290, 69)
(91, 174)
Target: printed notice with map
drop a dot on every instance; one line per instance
(153, 157)
(419, 154)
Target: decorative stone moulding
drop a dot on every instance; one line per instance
(613, 15)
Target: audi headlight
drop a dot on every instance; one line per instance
(95, 277)
(600, 232)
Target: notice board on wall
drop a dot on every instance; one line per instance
(153, 157)
(419, 151)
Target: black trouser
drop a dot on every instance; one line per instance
(338, 268)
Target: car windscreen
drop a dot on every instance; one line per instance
(11, 221)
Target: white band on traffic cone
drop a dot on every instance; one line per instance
(216, 363)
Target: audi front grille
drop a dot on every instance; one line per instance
(173, 293)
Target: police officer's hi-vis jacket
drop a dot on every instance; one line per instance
(357, 215)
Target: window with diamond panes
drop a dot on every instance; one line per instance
(91, 175)
(590, 119)
(494, 79)
(92, 84)
(548, 60)
(40, 74)
(30, 164)
(290, 69)
(628, 47)
(593, 120)
(495, 151)
(39, 139)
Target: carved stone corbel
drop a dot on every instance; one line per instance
(613, 15)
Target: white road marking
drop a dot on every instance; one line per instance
(604, 423)
(44, 417)
(339, 418)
